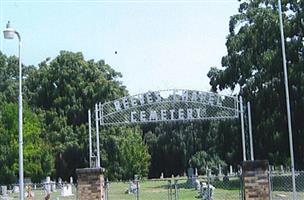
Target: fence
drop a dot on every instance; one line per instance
(202, 187)
(281, 185)
(40, 191)
(178, 188)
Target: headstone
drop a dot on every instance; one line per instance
(240, 171)
(190, 172)
(47, 185)
(206, 191)
(53, 186)
(282, 169)
(220, 170)
(3, 190)
(162, 175)
(59, 183)
(196, 173)
(16, 189)
(272, 168)
(71, 180)
(197, 184)
(231, 170)
(191, 178)
(66, 190)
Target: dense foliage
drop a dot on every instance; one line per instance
(254, 63)
(58, 94)
(124, 153)
(173, 146)
(38, 160)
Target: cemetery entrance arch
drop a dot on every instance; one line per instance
(175, 105)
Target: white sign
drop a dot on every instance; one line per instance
(168, 105)
(155, 97)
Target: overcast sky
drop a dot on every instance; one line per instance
(159, 44)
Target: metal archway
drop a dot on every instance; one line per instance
(174, 105)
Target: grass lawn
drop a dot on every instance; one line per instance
(149, 190)
(158, 190)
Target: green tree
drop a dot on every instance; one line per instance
(9, 75)
(124, 153)
(63, 89)
(202, 160)
(254, 63)
(172, 145)
(38, 160)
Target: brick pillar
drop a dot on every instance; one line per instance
(256, 180)
(90, 184)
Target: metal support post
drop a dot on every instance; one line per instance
(97, 135)
(250, 131)
(90, 137)
(242, 127)
(287, 103)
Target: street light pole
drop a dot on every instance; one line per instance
(287, 103)
(9, 34)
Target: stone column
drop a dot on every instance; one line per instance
(90, 184)
(256, 180)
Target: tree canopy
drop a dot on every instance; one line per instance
(254, 63)
(38, 160)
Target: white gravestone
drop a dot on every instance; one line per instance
(207, 191)
(16, 189)
(59, 183)
(3, 190)
(220, 170)
(4, 195)
(231, 170)
(197, 185)
(47, 185)
(66, 190)
(53, 186)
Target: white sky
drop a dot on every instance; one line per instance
(159, 44)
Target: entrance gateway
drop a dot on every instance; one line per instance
(175, 105)
(167, 106)
(172, 105)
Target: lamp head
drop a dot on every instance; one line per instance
(8, 31)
